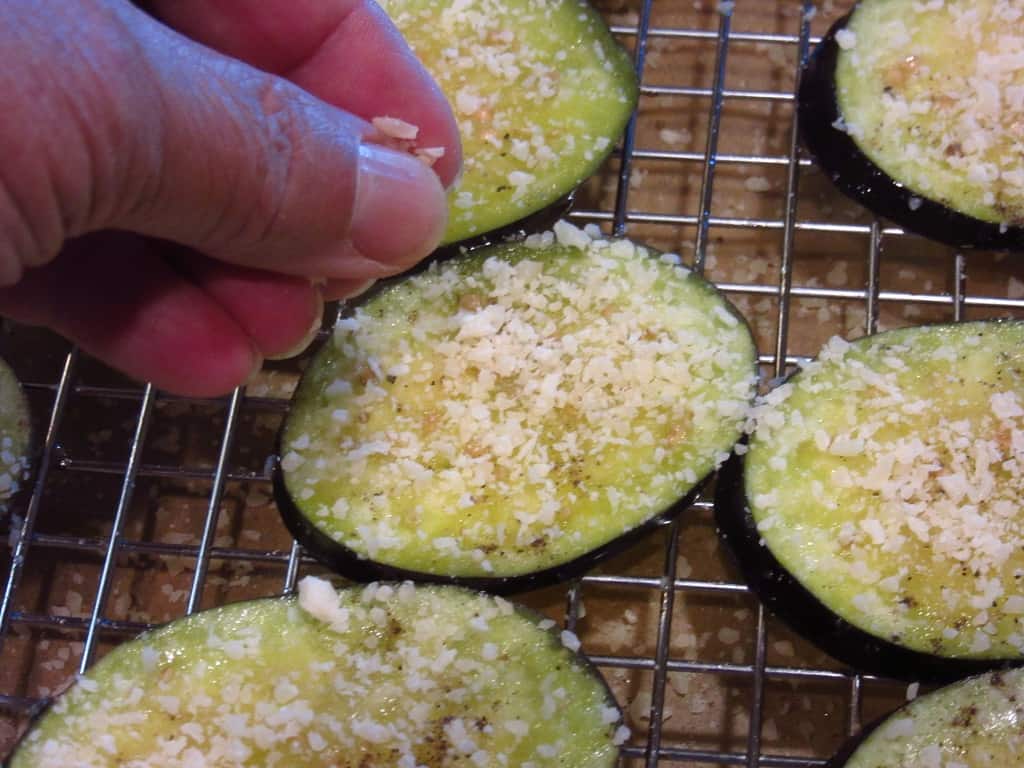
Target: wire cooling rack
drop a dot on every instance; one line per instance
(145, 507)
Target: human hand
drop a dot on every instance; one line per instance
(166, 205)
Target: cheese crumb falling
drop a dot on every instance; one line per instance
(429, 155)
(528, 405)
(396, 128)
(570, 641)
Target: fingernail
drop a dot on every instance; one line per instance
(256, 368)
(457, 180)
(400, 209)
(360, 289)
(314, 329)
(344, 290)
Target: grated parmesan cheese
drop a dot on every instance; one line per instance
(901, 485)
(847, 39)
(396, 128)
(948, 127)
(974, 722)
(545, 397)
(401, 672)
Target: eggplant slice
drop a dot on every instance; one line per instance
(389, 674)
(877, 508)
(15, 437)
(540, 89)
(975, 723)
(918, 122)
(509, 418)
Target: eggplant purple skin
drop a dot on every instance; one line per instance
(790, 601)
(584, 662)
(538, 221)
(857, 177)
(33, 716)
(350, 564)
(852, 744)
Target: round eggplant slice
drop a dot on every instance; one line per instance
(508, 418)
(877, 508)
(541, 92)
(915, 110)
(386, 675)
(15, 436)
(975, 723)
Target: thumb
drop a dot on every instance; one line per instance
(187, 145)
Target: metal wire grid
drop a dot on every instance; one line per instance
(651, 750)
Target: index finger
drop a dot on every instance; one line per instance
(345, 52)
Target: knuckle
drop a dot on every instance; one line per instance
(109, 104)
(82, 171)
(30, 230)
(283, 133)
(267, 132)
(54, 183)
